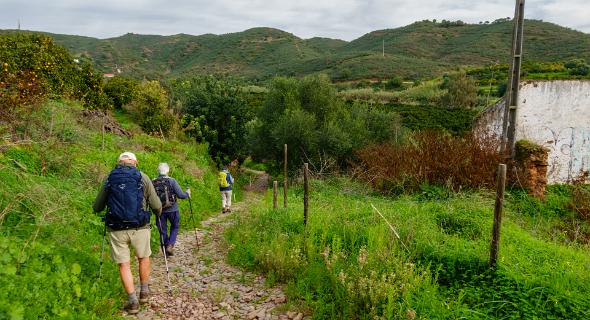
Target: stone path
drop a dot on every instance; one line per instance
(204, 286)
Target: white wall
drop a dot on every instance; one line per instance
(555, 114)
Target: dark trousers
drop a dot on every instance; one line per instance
(174, 218)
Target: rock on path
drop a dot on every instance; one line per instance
(204, 286)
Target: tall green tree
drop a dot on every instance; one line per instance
(317, 125)
(214, 112)
(150, 104)
(120, 90)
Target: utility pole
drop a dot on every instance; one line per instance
(512, 90)
(509, 127)
(305, 193)
(383, 47)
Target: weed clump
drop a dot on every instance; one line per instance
(429, 157)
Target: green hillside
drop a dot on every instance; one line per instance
(422, 49)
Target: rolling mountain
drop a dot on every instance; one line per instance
(422, 49)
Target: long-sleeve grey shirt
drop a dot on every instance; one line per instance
(177, 191)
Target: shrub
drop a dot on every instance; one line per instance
(429, 157)
(578, 67)
(32, 67)
(394, 83)
(319, 128)
(461, 91)
(120, 90)
(215, 111)
(90, 89)
(150, 104)
(20, 92)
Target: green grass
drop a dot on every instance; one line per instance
(50, 241)
(349, 264)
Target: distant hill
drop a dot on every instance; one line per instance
(422, 49)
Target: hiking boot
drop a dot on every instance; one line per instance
(144, 296)
(169, 250)
(131, 307)
(228, 210)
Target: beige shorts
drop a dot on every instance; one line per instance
(121, 239)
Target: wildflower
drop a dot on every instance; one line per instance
(326, 252)
(342, 277)
(363, 254)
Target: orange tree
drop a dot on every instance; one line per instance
(34, 67)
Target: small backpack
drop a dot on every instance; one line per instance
(125, 199)
(164, 191)
(223, 179)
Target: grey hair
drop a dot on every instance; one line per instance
(163, 168)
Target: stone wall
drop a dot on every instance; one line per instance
(553, 114)
(530, 170)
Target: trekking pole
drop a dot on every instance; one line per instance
(193, 220)
(164, 252)
(104, 235)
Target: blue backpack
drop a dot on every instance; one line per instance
(125, 199)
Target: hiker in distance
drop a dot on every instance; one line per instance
(226, 181)
(128, 195)
(168, 191)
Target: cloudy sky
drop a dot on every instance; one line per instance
(343, 19)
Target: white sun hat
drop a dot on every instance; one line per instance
(127, 155)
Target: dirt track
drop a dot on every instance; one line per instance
(204, 286)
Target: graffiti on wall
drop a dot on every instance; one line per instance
(554, 114)
(569, 154)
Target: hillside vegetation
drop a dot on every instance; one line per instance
(420, 50)
(50, 239)
(348, 263)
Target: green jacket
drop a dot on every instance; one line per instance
(150, 198)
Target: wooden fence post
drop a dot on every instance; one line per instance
(500, 187)
(275, 187)
(285, 177)
(103, 129)
(305, 192)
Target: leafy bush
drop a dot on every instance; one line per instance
(120, 90)
(429, 157)
(90, 89)
(317, 126)
(33, 67)
(20, 93)
(461, 91)
(215, 111)
(150, 103)
(578, 67)
(394, 83)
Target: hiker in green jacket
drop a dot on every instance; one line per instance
(128, 195)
